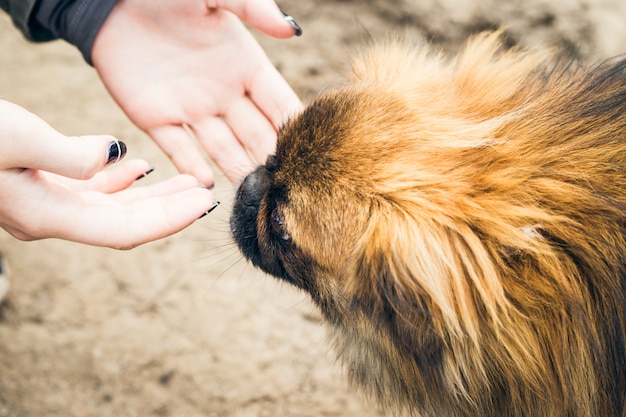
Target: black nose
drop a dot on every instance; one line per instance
(253, 188)
(243, 219)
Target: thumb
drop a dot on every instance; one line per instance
(78, 157)
(29, 142)
(265, 16)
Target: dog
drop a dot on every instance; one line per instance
(461, 224)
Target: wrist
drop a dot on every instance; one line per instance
(76, 21)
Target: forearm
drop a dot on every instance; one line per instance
(76, 21)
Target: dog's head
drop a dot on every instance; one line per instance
(371, 187)
(429, 208)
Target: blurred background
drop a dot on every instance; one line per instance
(184, 326)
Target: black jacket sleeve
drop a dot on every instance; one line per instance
(76, 21)
(21, 12)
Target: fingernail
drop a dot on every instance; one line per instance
(115, 151)
(293, 23)
(215, 204)
(210, 187)
(145, 174)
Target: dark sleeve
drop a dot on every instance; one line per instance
(76, 21)
(21, 12)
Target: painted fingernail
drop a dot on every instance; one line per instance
(293, 23)
(215, 204)
(145, 174)
(115, 151)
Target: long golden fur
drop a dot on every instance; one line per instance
(462, 226)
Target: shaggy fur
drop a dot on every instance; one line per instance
(462, 226)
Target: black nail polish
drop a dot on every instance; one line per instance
(115, 151)
(293, 23)
(215, 204)
(145, 174)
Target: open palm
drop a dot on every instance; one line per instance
(184, 70)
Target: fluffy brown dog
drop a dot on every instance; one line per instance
(462, 226)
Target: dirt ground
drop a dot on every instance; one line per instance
(183, 326)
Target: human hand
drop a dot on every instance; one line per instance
(56, 186)
(190, 66)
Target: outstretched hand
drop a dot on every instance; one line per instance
(189, 68)
(57, 186)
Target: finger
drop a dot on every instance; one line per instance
(127, 226)
(183, 151)
(162, 188)
(78, 157)
(110, 180)
(252, 128)
(44, 209)
(273, 95)
(33, 143)
(262, 15)
(223, 148)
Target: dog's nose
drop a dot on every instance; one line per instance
(253, 188)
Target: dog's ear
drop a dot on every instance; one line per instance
(420, 265)
(409, 316)
(436, 286)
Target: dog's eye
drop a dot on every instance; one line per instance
(277, 225)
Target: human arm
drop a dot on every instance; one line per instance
(184, 71)
(57, 186)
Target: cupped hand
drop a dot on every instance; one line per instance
(189, 69)
(57, 186)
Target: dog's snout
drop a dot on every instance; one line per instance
(243, 220)
(253, 188)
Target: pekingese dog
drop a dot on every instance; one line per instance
(461, 224)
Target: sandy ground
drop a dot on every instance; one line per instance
(183, 326)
